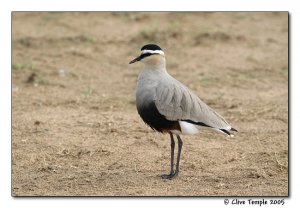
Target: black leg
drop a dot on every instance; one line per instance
(169, 176)
(178, 154)
(172, 173)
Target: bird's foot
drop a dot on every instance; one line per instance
(170, 176)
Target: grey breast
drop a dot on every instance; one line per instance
(146, 85)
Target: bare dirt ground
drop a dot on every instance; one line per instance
(75, 128)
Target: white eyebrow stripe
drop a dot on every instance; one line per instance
(153, 51)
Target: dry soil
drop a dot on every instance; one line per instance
(76, 131)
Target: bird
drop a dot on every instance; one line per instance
(170, 107)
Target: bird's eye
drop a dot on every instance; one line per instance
(144, 55)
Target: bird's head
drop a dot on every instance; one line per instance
(151, 55)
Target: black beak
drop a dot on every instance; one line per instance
(136, 59)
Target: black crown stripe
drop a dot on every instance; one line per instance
(151, 47)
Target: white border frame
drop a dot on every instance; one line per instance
(137, 5)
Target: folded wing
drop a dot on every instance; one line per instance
(176, 102)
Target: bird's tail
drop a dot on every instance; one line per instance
(233, 129)
(228, 131)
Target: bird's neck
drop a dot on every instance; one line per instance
(156, 63)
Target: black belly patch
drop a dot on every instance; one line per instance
(154, 119)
